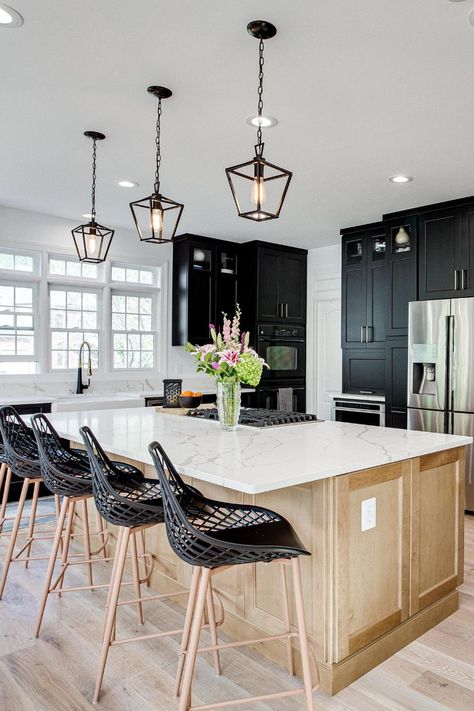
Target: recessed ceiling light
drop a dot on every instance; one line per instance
(400, 179)
(263, 121)
(127, 184)
(9, 17)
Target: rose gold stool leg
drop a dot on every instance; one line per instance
(86, 540)
(14, 534)
(136, 576)
(66, 541)
(6, 491)
(211, 614)
(303, 637)
(31, 525)
(51, 564)
(110, 619)
(286, 617)
(112, 576)
(185, 699)
(101, 531)
(187, 627)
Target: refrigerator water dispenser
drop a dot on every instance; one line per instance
(424, 378)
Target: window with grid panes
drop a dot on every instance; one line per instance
(17, 334)
(74, 317)
(133, 330)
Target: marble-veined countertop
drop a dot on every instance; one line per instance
(252, 460)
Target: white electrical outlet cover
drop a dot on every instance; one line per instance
(368, 511)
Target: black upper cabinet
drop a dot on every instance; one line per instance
(205, 273)
(440, 251)
(401, 273)
(275, 279)
(364, 286)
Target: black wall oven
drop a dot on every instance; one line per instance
(284, 350)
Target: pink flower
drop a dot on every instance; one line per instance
(229, 357)
(226, 329)
(216, 366)
(204, 350)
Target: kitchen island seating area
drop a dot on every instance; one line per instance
(228, 535)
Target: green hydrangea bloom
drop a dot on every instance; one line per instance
(249, 370)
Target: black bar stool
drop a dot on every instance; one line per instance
(66, 473)
(132, 505)
(21, 454)
(211, 536)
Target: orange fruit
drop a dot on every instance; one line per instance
(197, 394)
(187, 393)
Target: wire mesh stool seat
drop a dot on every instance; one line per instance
(213, 536)
(133, 505)
(22, 459)
(5, 481)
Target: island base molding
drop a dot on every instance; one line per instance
(367, 593)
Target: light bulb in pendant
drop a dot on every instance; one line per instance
(259, 193)
(92, 240)
(157, 218)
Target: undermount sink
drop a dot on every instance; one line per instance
(89, 401)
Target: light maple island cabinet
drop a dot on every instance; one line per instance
(367, 592)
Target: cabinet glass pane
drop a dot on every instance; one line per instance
(201, 259)
(228, 263)
(378, 248)
(354, 251)
(401, 239)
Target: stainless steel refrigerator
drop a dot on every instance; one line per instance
(441, 372)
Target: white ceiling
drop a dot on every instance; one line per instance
(363, 89)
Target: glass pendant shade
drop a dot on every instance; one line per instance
(92, 242)
(156, 218)
(258, 188)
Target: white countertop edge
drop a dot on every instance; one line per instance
(243, 487)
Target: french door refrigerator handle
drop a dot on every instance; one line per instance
(451, 384)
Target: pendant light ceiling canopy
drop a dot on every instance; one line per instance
(92, 241)
(157, 217)
(258, 187)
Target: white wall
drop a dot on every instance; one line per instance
(324, 369)
(30, 230)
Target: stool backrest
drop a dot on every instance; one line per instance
(181, 506)
(18, 440)
(63, 471)
(102, 468)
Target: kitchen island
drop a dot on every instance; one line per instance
(367, 592)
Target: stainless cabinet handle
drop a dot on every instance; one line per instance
(456, 280)
(280, 310)
(286, 310)
(464, 279)
(366, 392)
(370, 334)
(362, 334)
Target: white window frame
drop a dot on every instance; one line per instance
(42, 282)
(23, 283)
(148, 293)
(84, 289)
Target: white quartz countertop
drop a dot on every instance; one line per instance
(252, 460)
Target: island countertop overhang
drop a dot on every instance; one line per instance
(253, 460)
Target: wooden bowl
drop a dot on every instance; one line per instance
(190, 401)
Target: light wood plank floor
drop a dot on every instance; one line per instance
(56, 673)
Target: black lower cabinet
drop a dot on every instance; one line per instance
(396, 354)
(363, 371)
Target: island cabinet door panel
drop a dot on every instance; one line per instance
(437, 535)
(372, 566)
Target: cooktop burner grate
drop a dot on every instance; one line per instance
(258, 417)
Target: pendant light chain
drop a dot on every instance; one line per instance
(94, 170)
(261, 61)
(158, 147)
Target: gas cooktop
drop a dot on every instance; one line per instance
(258, 417)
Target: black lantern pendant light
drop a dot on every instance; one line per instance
(259, 187)
(92, 240)
(156, 217)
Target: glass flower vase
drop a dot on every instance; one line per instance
(228, 405)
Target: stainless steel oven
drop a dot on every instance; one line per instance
(359, 412)
(283, 349)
